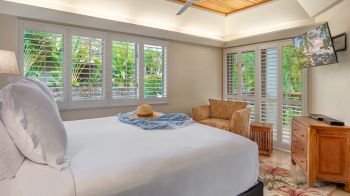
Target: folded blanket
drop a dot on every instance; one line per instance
(165, 121)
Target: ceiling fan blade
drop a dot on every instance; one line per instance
(185, 7)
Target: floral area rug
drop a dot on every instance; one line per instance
(288, 180)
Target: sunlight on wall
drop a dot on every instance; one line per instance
(266, 29)
(160, 14)
(122, 14)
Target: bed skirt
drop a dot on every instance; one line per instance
(256, 190)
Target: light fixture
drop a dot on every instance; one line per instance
(8, 62)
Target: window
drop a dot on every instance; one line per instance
(269, 79)
(154, 72)
(87, 68)
(92, 68)
(125, 71)
(292, 90)
(43, 59)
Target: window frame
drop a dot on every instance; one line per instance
(86, 103)
(51, 29)
(163, 44)
(123, 102)
(108, 38)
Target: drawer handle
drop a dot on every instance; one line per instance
(302, 135)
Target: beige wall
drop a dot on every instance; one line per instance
(195, 74)
(8, 33)
(330, 85)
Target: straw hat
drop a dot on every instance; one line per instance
(145, 111)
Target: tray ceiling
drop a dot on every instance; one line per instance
(226, 6)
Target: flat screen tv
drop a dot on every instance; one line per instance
(315, 47)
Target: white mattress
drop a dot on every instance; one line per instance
(112, 158)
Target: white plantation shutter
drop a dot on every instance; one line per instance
(232, 74)
(269, 87)
(43, 56)
(154, 72)
(125, 71)
(289, 111)
(251, 105)
(270, 81)
(87, 68)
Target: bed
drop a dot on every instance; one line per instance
(112, 158)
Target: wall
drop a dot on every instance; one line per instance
(195, 74)
(8, 38)
(330, 85)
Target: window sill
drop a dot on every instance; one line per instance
(66, 109)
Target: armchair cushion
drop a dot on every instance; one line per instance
(240, 122)
(200, 113)
(218, 123)
(224, 109)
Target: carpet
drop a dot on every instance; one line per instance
(288, 180)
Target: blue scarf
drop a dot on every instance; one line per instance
(165, 121)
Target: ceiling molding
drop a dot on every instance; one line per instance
(251, 28)
(78, 20)
(270, 36)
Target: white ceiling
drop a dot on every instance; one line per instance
(313, 7)
(273, 16)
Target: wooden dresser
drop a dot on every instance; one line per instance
(321, 150)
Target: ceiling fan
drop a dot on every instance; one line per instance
(186, 6)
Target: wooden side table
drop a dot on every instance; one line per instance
(261, 133)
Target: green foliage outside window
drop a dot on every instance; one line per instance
(87, 68)
(153, 72)
(291, 74)
(124, 72)
(235, 73)
(248, 73)
(43, 59)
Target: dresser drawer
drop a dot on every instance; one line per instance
(299, 157)
(300, 131)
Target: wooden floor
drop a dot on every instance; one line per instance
(281, 158)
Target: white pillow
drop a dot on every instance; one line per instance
(41, 85)
(34, 123)
(10, 158)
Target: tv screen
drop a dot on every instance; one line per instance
(315, 47)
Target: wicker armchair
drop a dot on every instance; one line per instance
(227, 115)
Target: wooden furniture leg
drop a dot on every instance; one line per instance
(293, 162)
(347, 187)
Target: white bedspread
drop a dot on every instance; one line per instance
(34, 179)
(112, 158)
